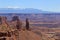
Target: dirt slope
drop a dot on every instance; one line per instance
(28, 35)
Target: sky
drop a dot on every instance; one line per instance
(46, 5)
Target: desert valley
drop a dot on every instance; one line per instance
(40, 26)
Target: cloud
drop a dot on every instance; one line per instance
(13, 7)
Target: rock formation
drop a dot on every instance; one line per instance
(16, 22)
(8, 33)
(27, 24)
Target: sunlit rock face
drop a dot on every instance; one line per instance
(5, 29)
(4, 19)
(3, 24)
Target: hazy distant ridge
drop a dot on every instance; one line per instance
(17, 10)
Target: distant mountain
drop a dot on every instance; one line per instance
(17, 10)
